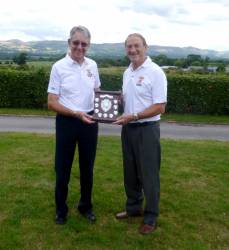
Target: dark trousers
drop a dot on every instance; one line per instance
(69, 131)
(141, 160)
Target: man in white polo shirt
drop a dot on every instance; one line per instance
(144, 97)
(73, 81)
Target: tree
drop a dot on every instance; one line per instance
(161, 59)
(221, 68)
(196, 63)
(20, 59)
(206, 62)
(193, 58)
(181, 63)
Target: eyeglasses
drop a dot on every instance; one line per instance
(77, 43)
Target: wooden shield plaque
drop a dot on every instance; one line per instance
(106, 106)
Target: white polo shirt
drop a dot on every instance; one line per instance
(74, 83)
(143, 87)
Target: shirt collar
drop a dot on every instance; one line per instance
(71, 62)
(144, 65)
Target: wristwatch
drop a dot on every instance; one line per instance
(135, 115)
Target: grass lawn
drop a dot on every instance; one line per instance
(18, 111)
(210, 119)
(39, 64)
(112, 70)
(194, 197)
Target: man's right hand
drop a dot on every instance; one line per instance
(84, 117)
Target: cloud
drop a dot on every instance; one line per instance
(198, 23)
(163, 8)
(150, 9)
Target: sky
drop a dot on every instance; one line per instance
(202, 24)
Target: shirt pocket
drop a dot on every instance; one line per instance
(143, 88)
(89, 79)
(69, 84)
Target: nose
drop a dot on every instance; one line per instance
(132, 51)
(79, 46)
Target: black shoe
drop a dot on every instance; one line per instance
(90, 216)
(60, 220)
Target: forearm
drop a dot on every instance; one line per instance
(54, 105)
(59, 108)
(153, 110)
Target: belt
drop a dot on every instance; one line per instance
(141, 124)
(91, 112)
(71, 117)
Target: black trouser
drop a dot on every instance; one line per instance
(141, 160)
(69, 131)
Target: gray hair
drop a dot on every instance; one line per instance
(81, 29)
(139, 36)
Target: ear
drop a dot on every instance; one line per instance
(69, 41)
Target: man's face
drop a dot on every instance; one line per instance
(136, 50)
(78, 45)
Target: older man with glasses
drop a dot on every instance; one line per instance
(73, 80)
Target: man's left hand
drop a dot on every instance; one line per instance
(124, 119)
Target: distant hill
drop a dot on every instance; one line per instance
(105, 50)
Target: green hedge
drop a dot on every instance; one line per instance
(198, 94)
(23, 89)
(111, 81)
(187, 93)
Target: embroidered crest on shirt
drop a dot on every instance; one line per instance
(140, 79)
(89, 74)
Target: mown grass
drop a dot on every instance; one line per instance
(21, 111)
(38, 64)
(112, 70)
(194, 197)
(210, 119)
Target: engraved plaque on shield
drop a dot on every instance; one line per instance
(106, 106)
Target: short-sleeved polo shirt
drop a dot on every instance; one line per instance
(143, 87)
(74, 83)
